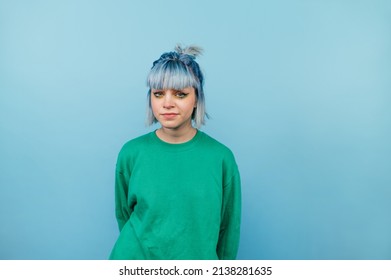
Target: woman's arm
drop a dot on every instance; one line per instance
(122, 209)
(228, 244)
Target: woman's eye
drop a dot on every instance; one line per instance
(158, 94)
(181, 94)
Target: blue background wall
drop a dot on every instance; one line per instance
(299, 90)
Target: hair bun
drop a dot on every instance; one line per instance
(189, 50)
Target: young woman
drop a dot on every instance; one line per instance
(177, 190)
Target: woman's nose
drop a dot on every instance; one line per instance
(168, 102)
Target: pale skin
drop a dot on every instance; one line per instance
(173, 110)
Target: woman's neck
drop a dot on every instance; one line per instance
(174, 136)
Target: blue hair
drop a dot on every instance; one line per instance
(178, 70)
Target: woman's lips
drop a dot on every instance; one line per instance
(169, 115)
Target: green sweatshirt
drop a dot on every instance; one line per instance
(177, 201)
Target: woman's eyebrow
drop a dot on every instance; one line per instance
(164, 90)
(185, 90)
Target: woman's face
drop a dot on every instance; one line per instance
(173, 108)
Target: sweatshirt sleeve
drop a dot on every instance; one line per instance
(228, 243)
(122, 209)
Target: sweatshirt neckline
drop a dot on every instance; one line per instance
(176, 147)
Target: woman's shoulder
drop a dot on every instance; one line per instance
(215, 145)
(216, 149)
(136, 144)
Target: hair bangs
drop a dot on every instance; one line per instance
(171, 75)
